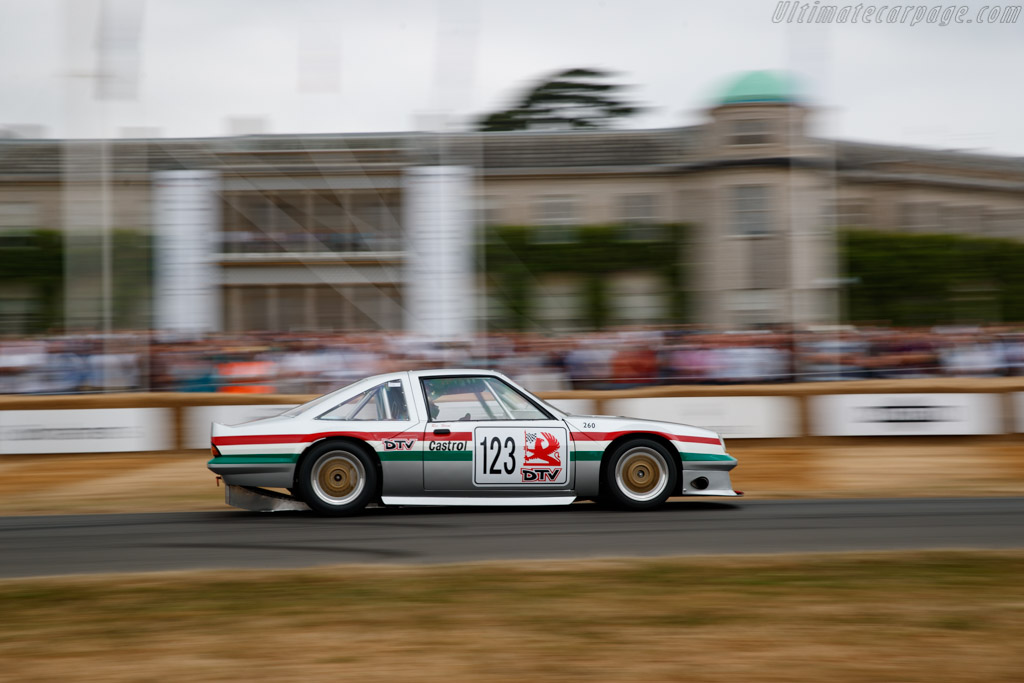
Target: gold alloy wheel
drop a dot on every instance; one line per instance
(338, 477)
(640, 474)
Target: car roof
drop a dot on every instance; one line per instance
(435, 372)
(448, 372)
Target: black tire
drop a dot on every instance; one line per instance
(640, 475)
(337, 479)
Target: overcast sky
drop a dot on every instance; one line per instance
(387, 65)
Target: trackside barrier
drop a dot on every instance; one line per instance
(794, 413)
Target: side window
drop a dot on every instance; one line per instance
(459, 399)
(383, 402)
(394, 394)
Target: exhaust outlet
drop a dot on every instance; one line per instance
(700, 483)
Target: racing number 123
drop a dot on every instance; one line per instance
(509, 464)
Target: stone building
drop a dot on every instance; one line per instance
(311, 231)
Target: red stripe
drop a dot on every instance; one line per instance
(611, 436)
(258, 439)
(305, 438)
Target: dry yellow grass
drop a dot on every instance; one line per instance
(41, 484)
(150, 483)
(880, 617)
(882, 469)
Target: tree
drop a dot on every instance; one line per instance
(576, 98)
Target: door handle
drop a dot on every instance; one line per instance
(442, 432)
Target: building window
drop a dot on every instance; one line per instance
(558, 302)
(247, 223)
(752, 132)
(556, 219)
(19, 215)
(751, 210)
(312, 222)
(853, 213)
(638, 298)
(289, 222)
(638, 214)
(374, 218)
(752, 307)
(637, 208)
(920, 216)
(962, 220)
(292, 308)
(330, 226)
(1001, 223)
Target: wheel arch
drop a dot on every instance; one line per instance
(374, 456)
(632, 436)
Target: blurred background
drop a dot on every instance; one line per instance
(267, 197)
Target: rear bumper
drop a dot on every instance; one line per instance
(271, 474)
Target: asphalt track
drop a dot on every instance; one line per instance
(50, 545)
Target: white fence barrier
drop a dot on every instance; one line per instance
(140, 429)
(734, 417)
(906, 414)
(1018, 412)
(92, 430)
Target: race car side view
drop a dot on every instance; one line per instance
(460, 437)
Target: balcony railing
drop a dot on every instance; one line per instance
(326, 242)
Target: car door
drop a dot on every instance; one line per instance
(484, 436)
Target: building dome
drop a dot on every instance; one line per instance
(760, 86)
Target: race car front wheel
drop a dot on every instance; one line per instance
(337, 479)
(640, 475)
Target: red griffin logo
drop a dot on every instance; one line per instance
(542, 450)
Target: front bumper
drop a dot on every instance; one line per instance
(708, 478)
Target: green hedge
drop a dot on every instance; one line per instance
(36, 258)
(514, 257)
(932, 279)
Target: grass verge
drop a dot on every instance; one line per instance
(922, 616)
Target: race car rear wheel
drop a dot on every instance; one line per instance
(640, 475)
(337, 479)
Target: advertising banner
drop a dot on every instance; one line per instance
(96, 430)
(905, 414)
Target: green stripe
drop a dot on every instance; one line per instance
(438, 456)
(448, 456)
(705, 457)
(428, 456)
(587, 456)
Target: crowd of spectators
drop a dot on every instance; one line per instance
(318, 362)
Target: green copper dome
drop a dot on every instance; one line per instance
(760, 86)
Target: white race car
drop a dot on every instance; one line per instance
(460, 437)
